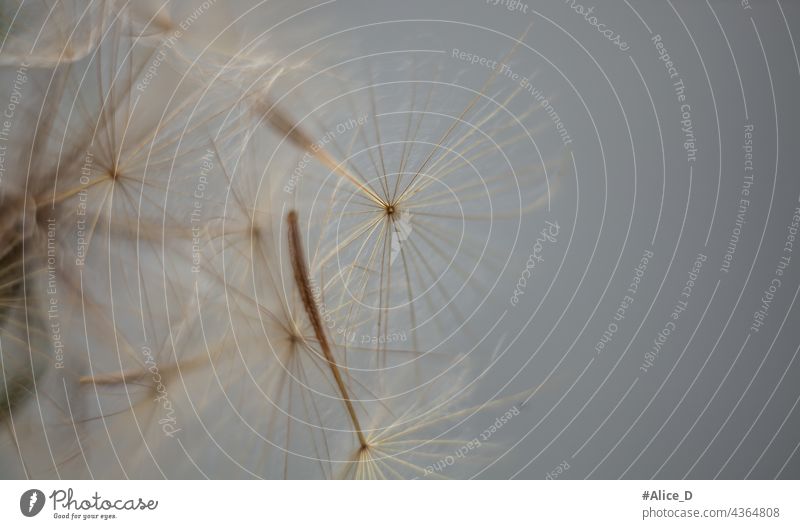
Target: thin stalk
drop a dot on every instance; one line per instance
(304, 286)
(284, 124)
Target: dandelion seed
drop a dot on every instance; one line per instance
(402, 273)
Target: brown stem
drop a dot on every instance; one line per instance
(284, 124)
(136, 375)
(304, 286)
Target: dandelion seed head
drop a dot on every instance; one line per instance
(279, 243)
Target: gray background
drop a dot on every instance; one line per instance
(720, 400)
(712, 406)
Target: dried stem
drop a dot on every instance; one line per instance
(284, 124)
(304, 286)
(136, 375)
